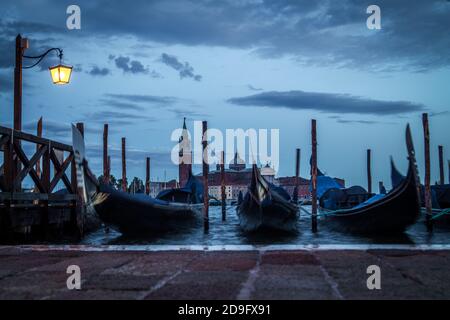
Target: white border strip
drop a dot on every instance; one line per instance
(154, 248)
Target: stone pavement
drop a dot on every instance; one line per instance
(30, 273)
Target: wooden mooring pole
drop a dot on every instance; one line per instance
(222, 187)
(448, 170)
(105, 154)
(441, 165)
(124, 167)
(297, 175)
(314, 176)
(427, 191)
(147, 176)
(39, 134)
(205, 177)
(20, 48)
(369, 171)
(76, 215)
(109, 167)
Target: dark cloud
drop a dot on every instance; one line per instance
(135, 157)
(440, 113)
(327, 102)
(185, 70)
(117, 118)
(163, 100)
(413, 36)
(50, 129)
(339, 119)
(131, 66)
(313, 32)
(345, 121)
(189, 113)
(138, 102)
(252, 88)
(97, 71)
(121, 105)
(59, 131)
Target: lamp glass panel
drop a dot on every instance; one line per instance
(61, 74)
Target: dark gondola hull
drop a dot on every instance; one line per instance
(393, 213)
(140, 214)
(384, 217)
(264, 207)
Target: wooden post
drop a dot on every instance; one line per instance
(45, 180)
(369, 172)
(124, 167)
(297, 175)
(147, 177)
(441, 165)
(39, 134)
(222, 187)
(18, 102)
(80, 207)
(205, 177)
(427, 192)
(8, 168)
(314, 176)
(105, 154)
(448, 170)
(18, 85)
(109, 168)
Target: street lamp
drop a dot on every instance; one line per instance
(60, 74)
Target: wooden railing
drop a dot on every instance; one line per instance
(17, 166)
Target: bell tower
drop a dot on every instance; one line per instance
(185, 156)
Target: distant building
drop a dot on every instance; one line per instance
(237, 178)
(288, 184)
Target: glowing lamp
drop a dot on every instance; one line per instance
(60, 74)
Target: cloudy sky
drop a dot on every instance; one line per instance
(142, 66)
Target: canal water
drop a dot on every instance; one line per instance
(229, 233)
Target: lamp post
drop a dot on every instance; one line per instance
(60, 74)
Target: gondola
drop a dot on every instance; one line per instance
(266, 207)
(133, 214)
(390, 213)
(440, 199)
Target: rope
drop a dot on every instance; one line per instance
(335, 213)
(440, 214)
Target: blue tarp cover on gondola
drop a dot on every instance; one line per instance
(325, 183)
(371, 200)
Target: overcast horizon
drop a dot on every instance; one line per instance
(142, 66)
